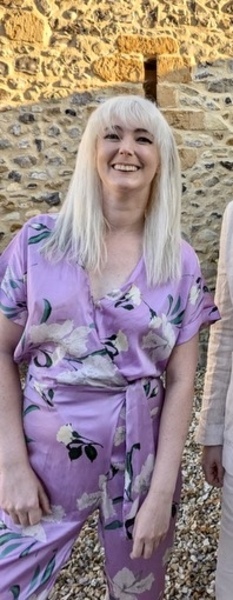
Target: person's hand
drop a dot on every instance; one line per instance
(151, 525)
(22, 495)
(212, 465)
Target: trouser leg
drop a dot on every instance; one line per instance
(30, 562)
(129, 579)
(224, 572)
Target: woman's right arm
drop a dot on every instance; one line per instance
(21, 493)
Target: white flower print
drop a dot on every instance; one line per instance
(95, 369)
(65, 434)
(163, 341)
(39, 387)
(142, 481)
(155, 322)
(106, 502)
(68, 340)
(88, 500)
(56, 516)
(42, 596)
(35, 531)
(194, 294)
(127, 587)
(154, 412)
(55, 332)
(134, 295)
(119, 436)
(121, 342)
(134, 509)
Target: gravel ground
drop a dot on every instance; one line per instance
(191, 568)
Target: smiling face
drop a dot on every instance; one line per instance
(127, 161)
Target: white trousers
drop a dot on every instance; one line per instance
(224, 573)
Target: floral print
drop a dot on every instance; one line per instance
(127, 586)
(92, 404)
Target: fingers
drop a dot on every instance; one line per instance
(25, 518)
(145, 549)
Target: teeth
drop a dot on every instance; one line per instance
(125, 167)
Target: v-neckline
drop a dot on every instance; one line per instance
(116, 293)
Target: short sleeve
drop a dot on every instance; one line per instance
(13, 279)
(200, 310)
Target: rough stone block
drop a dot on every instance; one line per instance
(166, 96)
(174, 69)
(188, 157)
(26, 27)
(149, 46)
(118, 67)
(186, 119)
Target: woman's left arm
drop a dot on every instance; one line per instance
(153, 518)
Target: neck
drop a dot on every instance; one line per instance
(125, 214)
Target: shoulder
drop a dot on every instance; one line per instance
(37, 228)
(41, 222)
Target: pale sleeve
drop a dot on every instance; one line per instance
(219, 359)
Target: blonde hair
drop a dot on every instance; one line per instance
(80, 228)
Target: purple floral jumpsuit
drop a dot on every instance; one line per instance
(92, 405)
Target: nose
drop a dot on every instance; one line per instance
(126, 146)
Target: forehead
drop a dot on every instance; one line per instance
(126, 120)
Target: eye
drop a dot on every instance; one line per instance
(111, 136)
(144, 140)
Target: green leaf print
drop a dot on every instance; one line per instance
(90, 452)
(9, 549)
(49, 570)
(30, 409)
(48, 361)
(9, 312)
(176, 307)
(170, 301)
(51, 394)
(13, 284)
(15, 590)
(129, 467)
(35, 239)
(35, 577)
(6, 537)
(75, 453)
(114, 525)
(47, 311)
(178, 319)
(27, 550)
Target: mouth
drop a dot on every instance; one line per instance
(125, 168)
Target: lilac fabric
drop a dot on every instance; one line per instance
(93, 398)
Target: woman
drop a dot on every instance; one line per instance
(215, 429)
(101, 301)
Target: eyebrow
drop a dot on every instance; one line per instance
(137, 130)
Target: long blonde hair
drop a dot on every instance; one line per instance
(80, 228)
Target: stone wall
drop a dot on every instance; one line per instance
(58, 58)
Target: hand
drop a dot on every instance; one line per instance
(212, 465)
(151, 525)
(22, 495)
